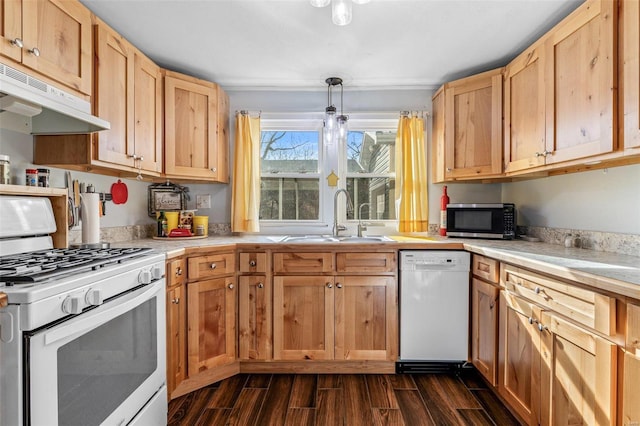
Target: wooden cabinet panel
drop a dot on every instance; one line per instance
(366, 318)
(437, 136)
(176, 272)
(524, 110)
(484, 329)
(485, 268)
(354, 262)
(301, 263)
(519, 356)
(580, 83)
(211, 324)
(255, 314)
(630, 411)
(630, 81)
(473, 126)
(252, 263)
(148, 112)
(176, 336)
(632, 339)
(303, 323)
(10, 28)
(581, 305)
(213, 265)
(578, 377)
(61, 31)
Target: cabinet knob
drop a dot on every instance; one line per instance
(530, 320)
(230, 286)
(260, 285)
(329, 285)
(252, 263)
(17, 42)
(176, 300)
(214, 169)
(449, 169)
(178, 271)
(339, 285)
(542, 327)
(35, 51)
(213, 266)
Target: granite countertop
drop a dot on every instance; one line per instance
(617, 273)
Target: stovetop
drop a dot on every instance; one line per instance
(42, 265)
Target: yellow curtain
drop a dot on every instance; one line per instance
(411, 176)
(245, 197)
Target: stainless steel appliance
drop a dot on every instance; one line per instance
(82, 340)
(434, 310)
(495, 221)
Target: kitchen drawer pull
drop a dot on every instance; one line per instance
(176, 300)
(537, 290)
(339, 285)
(17, 42)
(35, 51)
(178, 271)
(213, 266)
(260, 285)
(252, 263)
(542, 327)
(230, 286)
(329, 285)
(531, 320)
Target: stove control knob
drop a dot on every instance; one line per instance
(144, 277)
(71, 305)
(93, 297)
(156, 272)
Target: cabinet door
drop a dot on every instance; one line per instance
(438, 137)
(473, 126)
(190, 129)
(630, 66)
(580, 83)
(10, 28)
(630, 411)
(519, 356)
(578, 375)
(303, 317)
(61, 33)
(254, 313)
(114, 100)
(366, 309)
(147, 122)
(524, 111)
(484, 329)
(176, 337)
(212, 324)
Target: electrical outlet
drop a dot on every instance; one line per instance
(203, 201)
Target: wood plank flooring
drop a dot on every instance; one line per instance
(349, 399)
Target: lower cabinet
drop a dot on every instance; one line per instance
(176, 324)
(484, 328)
(254, 318)
(630, 367)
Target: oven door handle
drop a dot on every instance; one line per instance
(104, 313)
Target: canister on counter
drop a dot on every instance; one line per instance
(43, 178)
(5, 169)
(31, 177)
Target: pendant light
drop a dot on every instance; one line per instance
(335, 126)
(341, 10)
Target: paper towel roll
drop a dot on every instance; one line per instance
(90, 215)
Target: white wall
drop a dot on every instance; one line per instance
(606, 200)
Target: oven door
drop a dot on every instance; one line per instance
(101, 366)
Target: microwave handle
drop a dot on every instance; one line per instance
(103, 314)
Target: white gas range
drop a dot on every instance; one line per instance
(82, 340)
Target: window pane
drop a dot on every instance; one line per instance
(371, 151)
(289, 151)
(289, 199)
(379, 193)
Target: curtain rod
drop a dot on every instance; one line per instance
(422, 114)
(245, 112)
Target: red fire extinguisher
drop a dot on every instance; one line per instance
(444, 200)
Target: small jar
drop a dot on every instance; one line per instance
(43, 178)
(31, 177)
(5, 170)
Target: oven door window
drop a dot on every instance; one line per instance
(96, 371)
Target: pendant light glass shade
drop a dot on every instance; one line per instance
(341, 12)
(355, 1)
(319, 3)
(335, 126)
(343, 128)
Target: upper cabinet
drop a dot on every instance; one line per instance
(630, 67)
(580, 64)
(467, 128)
(52, 37)
(196, 129)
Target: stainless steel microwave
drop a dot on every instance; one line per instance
(495, 221)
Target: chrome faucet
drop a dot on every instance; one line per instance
(362, 226)
(336, 227)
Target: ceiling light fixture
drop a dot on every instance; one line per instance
(335, 126)
(341, 10)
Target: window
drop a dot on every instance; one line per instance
(295, 164)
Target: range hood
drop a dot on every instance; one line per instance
(33, 106)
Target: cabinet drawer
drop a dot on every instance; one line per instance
(176, 272)
(485, 268)
(366, 262)
(299, 263)
(581, 305)
(252, 262)
(210, 266)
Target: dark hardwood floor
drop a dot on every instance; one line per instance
(350, 399)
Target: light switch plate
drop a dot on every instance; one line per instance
(203, 201)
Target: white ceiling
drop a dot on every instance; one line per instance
(288, 44)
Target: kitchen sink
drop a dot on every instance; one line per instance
(331, 239)
(363, 239)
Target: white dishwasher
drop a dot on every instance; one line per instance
(434, 310)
